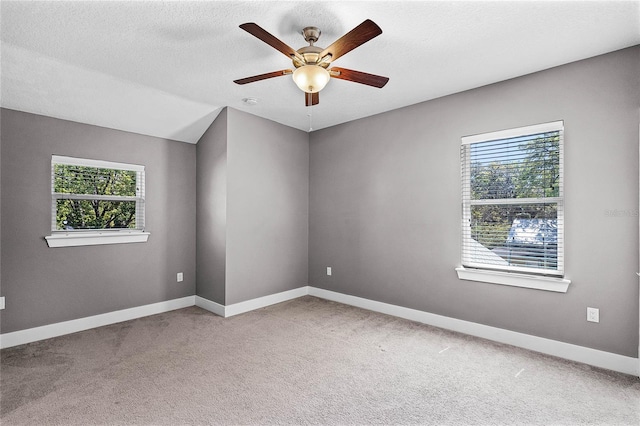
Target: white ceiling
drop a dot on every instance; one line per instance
(167, 68)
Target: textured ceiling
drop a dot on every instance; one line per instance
(167, 68)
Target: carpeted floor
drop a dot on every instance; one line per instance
(306, 361)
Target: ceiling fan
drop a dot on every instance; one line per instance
(311, 62)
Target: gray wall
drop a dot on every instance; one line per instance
(385, 206)
(46, 285)
(211, 243)
(267, 207)
(253, 208)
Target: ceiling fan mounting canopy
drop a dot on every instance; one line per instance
(311, 62)
(311, 34)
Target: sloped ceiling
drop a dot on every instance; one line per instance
(166, 69)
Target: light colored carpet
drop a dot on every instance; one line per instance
(306, 361)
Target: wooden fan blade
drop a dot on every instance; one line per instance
(354, 38)
(262, 76)
(359, 77)
(270, 39)
(311, 99)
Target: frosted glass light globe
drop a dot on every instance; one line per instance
(311, 78)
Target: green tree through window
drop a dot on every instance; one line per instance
(87, 197)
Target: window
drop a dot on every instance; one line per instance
(96, 202)
(513, 207)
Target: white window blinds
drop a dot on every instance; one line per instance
(512, 200)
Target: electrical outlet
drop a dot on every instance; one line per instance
(179, 277)
(593, 314)
(2, 302)
(328, 270)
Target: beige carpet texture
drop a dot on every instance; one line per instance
(305, 361)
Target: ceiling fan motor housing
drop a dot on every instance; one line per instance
(311, 55)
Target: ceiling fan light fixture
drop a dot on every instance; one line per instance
(311, 78)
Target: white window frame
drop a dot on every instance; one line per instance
(85, 237)
(513, 276)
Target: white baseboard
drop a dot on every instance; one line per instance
(608, 360)
(261, 302)
(597, 358)
(250, 305)
(29, 335)
(210, 306)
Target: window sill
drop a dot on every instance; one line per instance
(95, 238)
(559, 285)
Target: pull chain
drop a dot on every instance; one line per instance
(310, 117)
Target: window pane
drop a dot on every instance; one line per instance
(523, 167)
(95, 214)
(72, 179)
(524, 235)
(512, 191)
